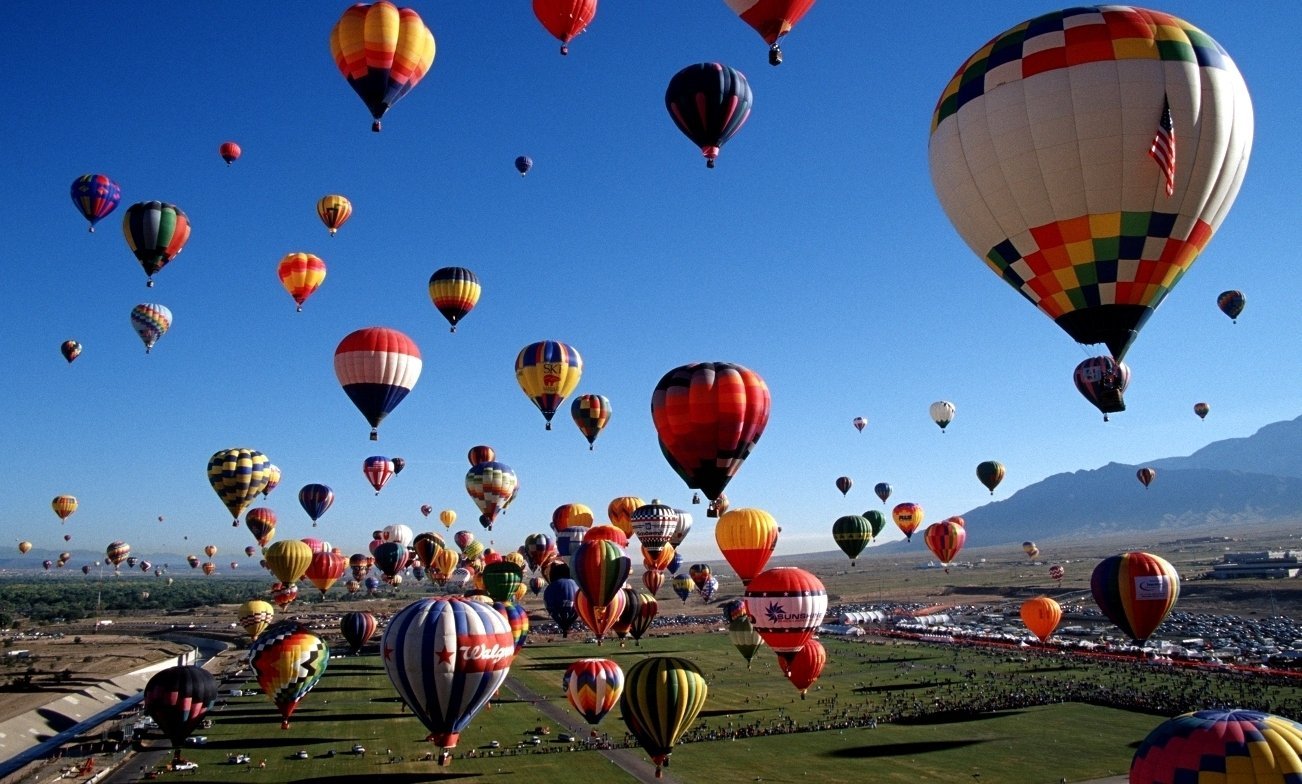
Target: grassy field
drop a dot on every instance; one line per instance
(354, 703)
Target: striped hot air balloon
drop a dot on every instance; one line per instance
(315, 500)
(1231, 746)
(64, 506)
(383, 51)
(455, 292)
(1135, 590)
(908, 516)
(548, 371)
(709, 102)
(255, 616)
(357, 628)
(788, 605)
(662, 697)
(177, 699)
(156, 232)
(377, 368)
(944, 540)
(593, 687)
(95, 196)
(334, 211)
(261, 522)
(301, 274)
(378, 470)
(237, 475)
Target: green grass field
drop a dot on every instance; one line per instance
(354, 703)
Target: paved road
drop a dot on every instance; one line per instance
(634, 762)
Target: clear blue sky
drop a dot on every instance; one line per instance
(816, 254)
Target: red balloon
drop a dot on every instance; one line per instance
(788, 605)
(600, 618)
(230, 152)
(565, 19)
(608, 532)
(807, 666)
(945, 539)
(653, 579)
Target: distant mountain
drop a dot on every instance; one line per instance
(1239, 480)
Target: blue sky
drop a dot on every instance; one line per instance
(815, 254)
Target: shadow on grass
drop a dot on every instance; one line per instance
(901, 749)
(734, 712)
(299, 716)
(559, 666)
(432, 774)
(267, 741)
(338, 667)
(953, 717)
(321, 689)
(895, 687)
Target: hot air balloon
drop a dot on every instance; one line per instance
(117, 552)
(391, 558)
(600, 568)
(788, 604)
(591, 413)
(64, 506)
(942, 413)
(491, 486)
(288, 660)
(95, 196)
(1135, 590)
(742, 634)
(708, 417)
(683, 585)
(565, 20)
(1202, 410)
(944, 540)
(1099, 226)
(654, 580)
(1030, 549)
(178, 699)
(249, 550)
(654, 524)
(844, 483)
(193, 560)
(548, 371)
(883, 491)
(455, 292)
(47, 563)
(24, 547)
(447, 517)
(288, 560)
(325, 569)
(237, 476)
(150, 321)
(301, 274)
(383, 51)
(645, 613)
(315, 500)
(446, 658)
(593, 687)
(377, 368)
(426, 510)
(255, 616)
(357, 628)
(990, 473)
(261, 522)
(517, 618)
(230, 152)
(70, 349)
(807, 665)
(747, 538)
(662, 697)
(208, 568)
(600, 618)
(1041, 615)
(700, 573)
(852, 533)
(708, 589)
(426, 545)
(1231, 304)
(156, 232)
(607, 532)
(1103, 382)
(481, 454)
(523, 164)
(210, 550)
(1057, 572)
(560, 598)
(501, 579)
(334, 211)
(1146, 476)
(273, 481)
(709, 102)
(772, 19)
(378, 471)
(1240, 746)
(907, 516)
(859, 423)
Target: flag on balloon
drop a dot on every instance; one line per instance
(1163, 149)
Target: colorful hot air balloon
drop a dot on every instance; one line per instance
(378, 471)
(255, 616)
(357, 628)
(683, 585)
(383, 52)
(942, 413)
(210, 550)
(1146, 476)
(772, 19)
(1202, 410)
(481, 453)
(325, 569)
(230, 152)
(747, 538)
(443, 564)
(156, 232)
(548, 371)
(150, 321)
(1103, 382)
(177, 699)
(593, 687)
(662, 697)
(1135, 590)
(117, 552)
(501, 579)
(944, 540)
(288, 660)
(1099, 226)
(1057, 572)
(1231, 303)
(288, 560)
(654, 525)
(455, 292)
(1041, 615)
(446, 658)
(1030, 549)
(273, 480)
(565, 20)
(591, 413)
(990, 473)
(709, 102)
(807, 665)
(859, 423)
(600, 568)
(315, 500)
(448, 518)
(334, 211)
(601, 618)
(788, 604)
(301, 274)
(391, 558)
(261, 522)
(70, 349)
(907, 516)
(377, 367)
(491, 486)
(64, 506)
(1239, 746)
(708, 417)
(523, 164)
(852, 533)
(95, 196)
(237, 476)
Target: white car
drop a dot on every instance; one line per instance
(238, 759)
(359, 748)
(197, 740)
(184, 765)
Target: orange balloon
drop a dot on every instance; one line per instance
(747, 538)
(621, 509)
(1041, 615)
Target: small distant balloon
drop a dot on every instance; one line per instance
(70, 349)
(523, 164)
(1146, 476)
(1103, 380)
(230, 152)
(95, 196)
(334, 211)
(1231, 304)
(859, 423)
(942, 413)
(1202, 410)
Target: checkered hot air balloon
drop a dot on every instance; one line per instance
(237, 475)
(591, 414)
(377, 367)
(1229, 746)
(288, 660)
(150, 321)
(491, 486)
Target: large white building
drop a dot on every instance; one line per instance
(1267, 563)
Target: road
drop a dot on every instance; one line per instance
(634, 762)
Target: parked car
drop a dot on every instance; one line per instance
(238, 759)
(197, 740)
(185, 765)
(493, 744)
(301, 754)
(359, 748)
(565, 737)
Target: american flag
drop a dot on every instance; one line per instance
(1163, 149)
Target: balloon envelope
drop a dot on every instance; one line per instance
(178, 699)
(662, 697)
(709, 102)
(747, 538)
(95, 196)
(455, 292)
(377, 367)
(1041, 615)
(383, 51)
(288, 660)
(548, 371)
(1135, 590)
(1241, 746)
